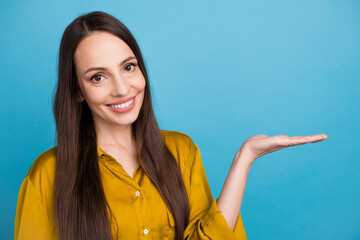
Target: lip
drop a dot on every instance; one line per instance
(121, 101)
(122, 110)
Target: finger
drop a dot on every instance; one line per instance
(312, 137)
(281, 140)
(317, 136)
(286, 141)
(298, 140)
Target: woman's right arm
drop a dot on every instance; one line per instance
(32, 217)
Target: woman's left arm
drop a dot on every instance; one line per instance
(231, 196)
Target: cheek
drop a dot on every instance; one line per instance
(141, 84)
(141, 90)
(94, 96)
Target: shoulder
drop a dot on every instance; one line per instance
(177, 141)
(42, 172)
(181, 146)
(34, 212)
(45, 162)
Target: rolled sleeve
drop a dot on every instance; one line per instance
(206, 220)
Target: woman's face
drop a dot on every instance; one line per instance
(110, 79)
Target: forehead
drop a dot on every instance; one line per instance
(101, 49)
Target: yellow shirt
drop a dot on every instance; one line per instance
(136, 203)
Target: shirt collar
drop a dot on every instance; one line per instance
(100, 152)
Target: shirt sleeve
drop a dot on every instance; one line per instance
(206, 220)
(32, 219)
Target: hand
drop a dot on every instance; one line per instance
(259, 145)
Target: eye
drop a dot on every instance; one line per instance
(130, 67)
(96, 78)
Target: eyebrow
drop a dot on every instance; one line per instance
(104, 69)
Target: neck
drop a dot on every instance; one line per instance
(115, 136)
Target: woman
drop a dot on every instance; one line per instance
(117, 174)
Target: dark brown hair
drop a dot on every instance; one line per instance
(80, 206)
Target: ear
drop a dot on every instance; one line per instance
(79, 96)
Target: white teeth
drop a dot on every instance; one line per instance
(123, 105)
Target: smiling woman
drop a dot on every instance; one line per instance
(117, 86)
(114, 174)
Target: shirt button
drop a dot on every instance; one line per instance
(146, 231)
(137, 193)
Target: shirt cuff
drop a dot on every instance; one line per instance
(215, 226)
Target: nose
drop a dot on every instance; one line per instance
(120, 87)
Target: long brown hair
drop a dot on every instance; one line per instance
(80, 206)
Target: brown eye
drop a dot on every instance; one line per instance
(97, 78)
(129, 67)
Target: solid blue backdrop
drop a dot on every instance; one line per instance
(220, 71)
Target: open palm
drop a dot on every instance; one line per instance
(260, 145)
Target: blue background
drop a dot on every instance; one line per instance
(220, 71)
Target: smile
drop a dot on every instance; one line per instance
(123, 105)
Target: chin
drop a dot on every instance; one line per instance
(128, 121)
